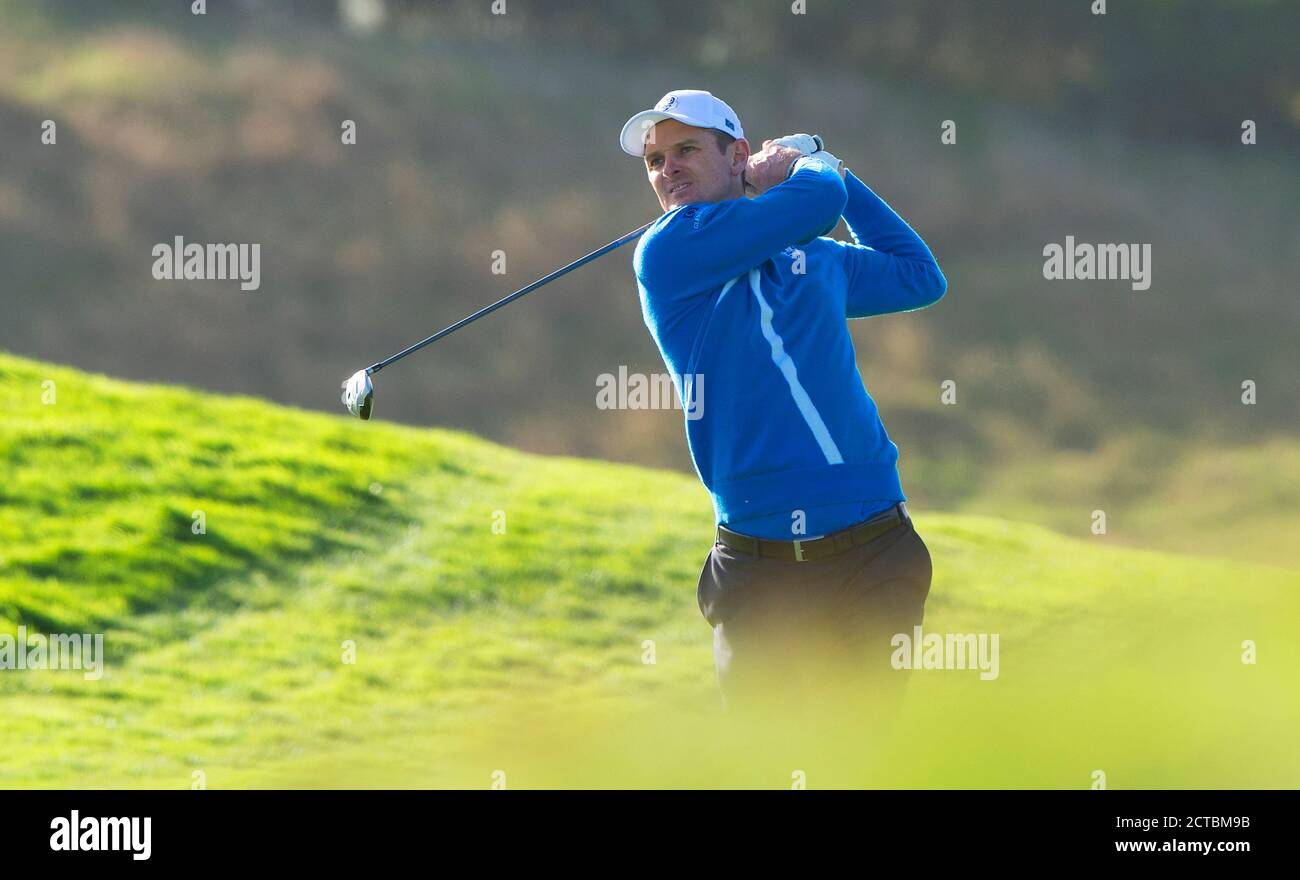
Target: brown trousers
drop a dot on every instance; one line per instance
(807, 639)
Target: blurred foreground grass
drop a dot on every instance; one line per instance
(521, 652)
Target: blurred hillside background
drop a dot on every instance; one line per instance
(478, 132)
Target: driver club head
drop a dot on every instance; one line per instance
(359, 394)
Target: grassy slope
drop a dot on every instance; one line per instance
(522, 651)
(1046, 430)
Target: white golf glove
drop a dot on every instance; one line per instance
(811, 145)
(804, 143)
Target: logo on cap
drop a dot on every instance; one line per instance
(668, 104)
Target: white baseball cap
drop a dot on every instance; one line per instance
(688, 106)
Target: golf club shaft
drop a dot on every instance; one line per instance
(581, 261)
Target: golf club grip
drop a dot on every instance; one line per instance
(486, 310)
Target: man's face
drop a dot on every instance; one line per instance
(685, 165)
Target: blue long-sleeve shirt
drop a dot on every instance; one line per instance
(745, 293)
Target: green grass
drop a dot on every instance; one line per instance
(479, 651)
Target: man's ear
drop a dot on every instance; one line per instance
(740, 158)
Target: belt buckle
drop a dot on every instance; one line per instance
(798, 551)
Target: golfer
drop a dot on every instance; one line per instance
(816, 563)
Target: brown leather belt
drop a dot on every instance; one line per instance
(816, 548)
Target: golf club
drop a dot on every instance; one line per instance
(359, 391)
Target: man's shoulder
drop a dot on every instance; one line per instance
(672, 221)
(664, 238)
(677, 224)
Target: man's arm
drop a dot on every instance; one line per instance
(699, 247)
(890, 269)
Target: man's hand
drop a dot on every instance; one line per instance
(804, 143)
(769, 166)
(811, 145)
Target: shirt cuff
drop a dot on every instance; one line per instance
(819, 163)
